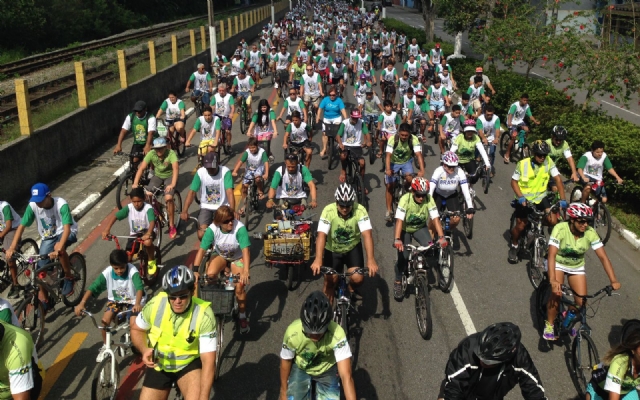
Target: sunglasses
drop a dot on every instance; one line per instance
(309, 69)
(227, 221)
(181, 297)
(582, 221)
(332, 94)
(345, 205)
(420, 195)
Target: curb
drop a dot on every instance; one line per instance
(626, 234)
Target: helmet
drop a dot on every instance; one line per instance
(420, 93)
(178, 279)
(559, 132)
(338, 60)
(340, 37)
(345, 194)
(315, 314)
(579, 210)
(363, 76)
(498, 343)
(367, 64)
(437, 45)
(540, 147)
(470, 128)
(420, 185)
(242, 72)
(450, 158)
(356, 113)
(469, 122)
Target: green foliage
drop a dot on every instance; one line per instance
(459, 15)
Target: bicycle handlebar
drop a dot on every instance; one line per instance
(569, 292)
(422, 248)
(93, 319)
(331, 271)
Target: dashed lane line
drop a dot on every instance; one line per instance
(61, 362)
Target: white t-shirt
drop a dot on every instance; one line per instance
(212, 191)
(222, 104)
(446, 185)
(16, 217)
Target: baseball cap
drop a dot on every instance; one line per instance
(139, 106)
(39, 192)
(479, 69)
(210, 160)
(159, 143)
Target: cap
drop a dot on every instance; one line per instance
(140, 106)
(210, 160)
(479, 69)
(159, 143)
(39, 192)
(437, 45)
(242, 72)
(470, 128)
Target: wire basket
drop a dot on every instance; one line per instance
(221, 300)
(287, 249)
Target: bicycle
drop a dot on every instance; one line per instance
(31, 315)
(402, 55)
(283, 87)
(399, 189)
(225, 138)
(520, 149)
(311, 116)
(354, 178)
(28, 247)
(628, 327)
(601, 221)
(372, 124)
(331, 131)
(445, 255)
(342, 303)
(584, 354)
(468, 223)
(199, 105)
(173, 137)
(126, 180)
(139, 252)
(244, 116)
(162, 213)
(252, 202)
(416, 275)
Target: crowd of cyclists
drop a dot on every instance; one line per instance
(396, 110)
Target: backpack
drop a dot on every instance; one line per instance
(411, 137)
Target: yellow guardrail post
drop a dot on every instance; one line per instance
(203, 38)
(24, 106)
(174, 49)
(81, 84)
(221, 31)
(235, 20)
(230, 28)
(122, 65)
(241, 22)
(192, 39)
(152, 57)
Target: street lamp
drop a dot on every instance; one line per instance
(212, 30)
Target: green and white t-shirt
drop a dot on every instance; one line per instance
(222, 105)
(437, 94)
(415, 216)
(255, 161)
(389, 123)
(140, 127)
(236, 66)
(228, 245)
(7, 213)
(519, 112)
(475, 93)
(162, 167)
(120, 289)
(294, 105)
(243, 85)
(51, 222)
(343, 234)
(7, 313)
(592, 167)
(412, 67)
(465, 149)
(213, 189)
(571, 250)
(352, 135)
(200, 81)
(283, 60)
(16, 374)
(298, 134)
(139, 221)
(402, 152)
(311, 84)
(450, 124)
(420, 109)
(389, 76)
(489, 128)
(289, 186)
(207, 129)
(173, 110)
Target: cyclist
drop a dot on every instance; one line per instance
(263, 125)
(615, 377)
(529, 183)
(412, 66)
(57, 229)
(337, 73)
(243, 86)
(400, 150)
(360, 60)
(352, 136)
(223, 106)
(264, 51)
(142, 223)
(466, 146)
(229, 241)
(143, 126)
(414, 211)
(371, 107)
(174, 108)
(447, 81)
(437, 97)
(255, 62)
(360, 89)
(450, 125)
(176, 336)
(388, 123)
(515, 121)
(315, 348)
(376, 48)
(388, 54)
(219, 61)
(342, 228)
(209, 128)
(339, 47)
(202, 84)
(332, 112)
(296, 72)
(485, 80)
(476, 96)
(20, 377)
(283, 62)
(298, 136)
(559, 147)
(420, 112)
(404, 84)
(291, 104)
(489, 364)
(414, 48)
(488, 127)
(237, 63)
(311, 87)
(9, 222)
(435, 55)
(272, 58)
(165, 174)
(568, 243)
(287, 184)
(591, 166)
(388, 78)
(425, 70)
(322, 62)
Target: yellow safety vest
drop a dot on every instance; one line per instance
(533, 182)
(176, 352)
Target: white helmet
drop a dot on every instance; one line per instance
(345, 194)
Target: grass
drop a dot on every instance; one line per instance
(627, 217)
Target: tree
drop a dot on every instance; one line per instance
(460, 16)
(428, 15)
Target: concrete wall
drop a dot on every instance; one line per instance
(62, 144)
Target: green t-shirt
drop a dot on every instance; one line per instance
(162, 168)
(619, 376)
(415, 216)
(343, 234)
(315, 358)
(557, 152)
(404, 151)
(298, 70)
(466, 148)
(15, 361)
(571, 250)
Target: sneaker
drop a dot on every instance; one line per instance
(513, 254)
(388, 217)
(152, 267)
(101, 353)
(244, 325)
(14, 292)
(67, 287)
(397, 291)
(172, 232)
(549, 332)
(275, 85)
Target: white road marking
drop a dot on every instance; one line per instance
(462, 310)
(86, 204)
(539, 75)
(611, 104)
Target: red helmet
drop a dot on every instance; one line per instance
(420, 185)
(579, 210)
(437, 45)
(420, 93)
(356, 114)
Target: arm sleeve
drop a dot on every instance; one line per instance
(456, 374)
(275, 181)
(582, 162)
(465, 188)
(28, 217)
(245, 155)
(65, 214)
(306, 174)
(528, 377)
(207, 339)
(98, 286)
(164, 106)
(150, 215)
(207, 239)
(6, 315)
(512, 109)
(242, 236)
(324, 225)
(228, 181)
(137, 282)
(6, 213)
(197, 125)
(529, 111)
(607, 163)
(483, 153)
(195, 183)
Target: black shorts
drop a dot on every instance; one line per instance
(523, 212)
(160, 380)
(451, 203)
(335, 81)
(337, 261)
(304, 145)
(137, 149)
(355, 151)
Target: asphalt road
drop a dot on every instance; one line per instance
(391, 360)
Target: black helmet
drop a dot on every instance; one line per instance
(559, 132)
(540, 147)
(315, 314)
(498, 343)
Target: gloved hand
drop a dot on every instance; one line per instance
(563, 204)
(442, 242)
(522, 200)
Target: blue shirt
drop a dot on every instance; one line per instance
(331, 108)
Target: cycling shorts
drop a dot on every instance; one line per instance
(336, 80)
(352, 258)
(161, 380)
(523, 212)
(451, 203)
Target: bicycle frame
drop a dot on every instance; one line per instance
(112, 331)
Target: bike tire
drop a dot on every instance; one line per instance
(602, 222)
(177, 201)
(504, 142)
(290, 269)
(466, 222)
(158, 233)
(226, 146)
(486, 181)
(445, 269)
(584, 356)
(243, 121)
(535, 265)
(122, 192)
(372, 151)
(423, 308)
(248, 207)
(344, 318)
(27, 247)
(219, 341)
(31, 317)
(102, 386)
(79, 268)
(576, 194)
(150, 280)
(358, 185)
(631, 325)
(179, 145)
(331, 150)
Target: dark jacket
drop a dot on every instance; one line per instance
(463, 372)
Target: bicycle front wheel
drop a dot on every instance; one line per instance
(104, 385)
(177, 208)
(631, 325)
(358, 185)
(584, 356)
(466, 222)
(423, 308)
(331, 150)
(179, 145)
(79, 271)
(343, 318)
(28, 247)
(535, 266)
(243, 121)
(248, 206)
(219, 341)
(486, 180)
(576, 194)
(602, 222)
(31, 318)
(122, 192)
(445, 269)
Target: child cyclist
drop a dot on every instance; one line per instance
(257, 167)
(124, 288)
(142, 222)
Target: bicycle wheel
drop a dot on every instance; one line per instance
(122, 192)
(423, 308)
(602, 222)
(28, 247)
(466, 222)
(504, 142)
(157, 231)
(226, 146)
(576, 194)
(486, 181)
(198, 108)
(150, 280)
(179, 145)
(105, 386)
(343, 318)
(372, 151)
(79, 271)
(177, 209)
(445, 269)
(243, 121)
(219, 341)
(584, 356)
(358, 185)
(31, 317)
(331, 150)
(631, 325)
(526, 152)
(535, 266)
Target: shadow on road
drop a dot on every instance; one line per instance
(236, 384)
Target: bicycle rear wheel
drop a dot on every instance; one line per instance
(584, 356)
(423, 308)
(219, 341)
(243, 120)
(358, 186)
(79, 271)
(105, 386)
(226, 146)
(179, 145)
(602, 222)
(535, 266)
(504, 142)
(445, 269)
(31, 318)
(331, 153)
(248, 206)
(28, 247)
(122, 192)
(486, 181)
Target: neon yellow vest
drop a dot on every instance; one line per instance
(533, 185)
(176, 352)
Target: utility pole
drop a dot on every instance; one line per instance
(273, 14)
(212, 31)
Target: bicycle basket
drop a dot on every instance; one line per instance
(220, 298)
(331, 129)
(293, 248)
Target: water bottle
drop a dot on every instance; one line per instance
(230, 285)
(568, 318)
(446, 224)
